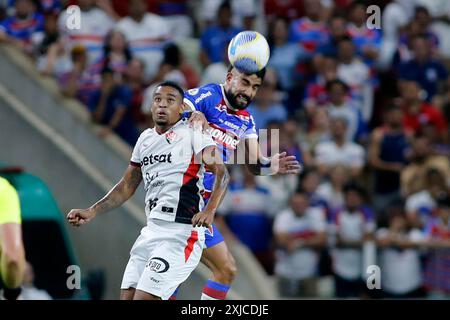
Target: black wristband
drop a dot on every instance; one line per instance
(12, 294)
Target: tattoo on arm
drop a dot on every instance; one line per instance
(121, 192)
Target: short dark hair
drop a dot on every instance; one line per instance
(172, 85)
(260, 74)
(345, 38)
(353, 186)
(333, 82)
(443, 201)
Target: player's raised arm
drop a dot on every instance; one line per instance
(214, 163)
(119, 194)
(258, 164)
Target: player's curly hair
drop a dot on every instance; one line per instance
(260, 74)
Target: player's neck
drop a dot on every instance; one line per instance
(163, 129)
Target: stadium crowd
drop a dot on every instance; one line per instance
(365, 110)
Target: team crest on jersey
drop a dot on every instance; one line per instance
(171, 137)
(193, 92)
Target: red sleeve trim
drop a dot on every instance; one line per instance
(135, 164)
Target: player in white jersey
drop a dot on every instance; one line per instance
(171, 159)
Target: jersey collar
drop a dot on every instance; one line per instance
(176, 124)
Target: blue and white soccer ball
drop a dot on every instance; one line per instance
(249, 52)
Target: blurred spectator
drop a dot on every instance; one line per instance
(116, 55)
(110, 107)
(285, 9)
(440, 13)
(331, 191)
(147, 34)
(318, 132)
(439, 142)
(339, 151)
(284, 56)
(289, 141)
(399, 257)
(248, 212)
(413, 30)
(135, 80)
(243, 12)
(418, 112)
(437, 265)
(280, 187)
(420, 205)
(266, 105)
(337, 26)
(177, 15)
(169, 70)
(79, 82)
(310, 31)
(50, 35)
(396, 15)
(216, 37)
(95, 24)
(53, 7)
(25, 29)
(367, 41)
(342, 106)
(308, 182)
(300, 233)
(423, 68)
(356, 75)
(315, 91)
(352, 225)
(29, 291)
(413, 176)
(217, 71)
(387, 156)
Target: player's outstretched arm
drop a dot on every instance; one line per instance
(214, 163)
(258, 164)
(120, 193)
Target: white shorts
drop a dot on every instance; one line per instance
(163, 257)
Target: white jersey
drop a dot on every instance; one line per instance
(172, 171)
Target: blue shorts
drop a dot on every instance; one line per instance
(213, 236)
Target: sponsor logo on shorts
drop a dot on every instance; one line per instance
(158, 265)
(154, 280)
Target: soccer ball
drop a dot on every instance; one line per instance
(249, 52)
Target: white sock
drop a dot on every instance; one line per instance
(206, 297)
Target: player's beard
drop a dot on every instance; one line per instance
(233, 99)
